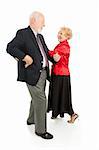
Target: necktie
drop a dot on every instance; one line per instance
(45, 60)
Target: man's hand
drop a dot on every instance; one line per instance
(28, 60)
(56, 57)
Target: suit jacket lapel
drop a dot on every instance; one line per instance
(33, 37)
(42, 42)
(34, 40)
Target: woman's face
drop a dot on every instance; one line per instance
(61, 36)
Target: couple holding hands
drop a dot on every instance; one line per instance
(30, 50)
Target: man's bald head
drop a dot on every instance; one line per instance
(37, 21)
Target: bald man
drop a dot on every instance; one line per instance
(29, 49)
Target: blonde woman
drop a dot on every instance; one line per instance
(59, 99)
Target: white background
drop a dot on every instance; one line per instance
(81, 16)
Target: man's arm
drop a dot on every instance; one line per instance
(15, 46)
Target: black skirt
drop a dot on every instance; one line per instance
(59, 98)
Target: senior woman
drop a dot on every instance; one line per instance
(59, 99)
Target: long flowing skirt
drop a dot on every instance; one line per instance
(59, 98)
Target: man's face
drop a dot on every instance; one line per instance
(40, 23)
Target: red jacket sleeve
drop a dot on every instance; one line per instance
(64, 52)
(51, 53)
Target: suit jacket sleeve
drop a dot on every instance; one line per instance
(14, 48)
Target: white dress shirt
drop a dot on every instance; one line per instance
(45, 62)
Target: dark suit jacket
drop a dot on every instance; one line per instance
(23, 44)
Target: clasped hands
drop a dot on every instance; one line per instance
(28, 59)
(56, 57)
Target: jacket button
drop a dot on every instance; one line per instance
(40, 70)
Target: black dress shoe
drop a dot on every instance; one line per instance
(45, 135)
(28, 123)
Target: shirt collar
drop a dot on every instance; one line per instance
(35, 33)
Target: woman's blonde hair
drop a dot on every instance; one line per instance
(67, 32)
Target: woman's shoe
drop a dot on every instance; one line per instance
(73, 118)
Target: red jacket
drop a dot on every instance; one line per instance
(61, 67)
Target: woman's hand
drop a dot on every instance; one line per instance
(56, 57)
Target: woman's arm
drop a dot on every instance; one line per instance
(51, 53)
(61, 53)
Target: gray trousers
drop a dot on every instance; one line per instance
(37, 113)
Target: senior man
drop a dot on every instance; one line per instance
(29, 49)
